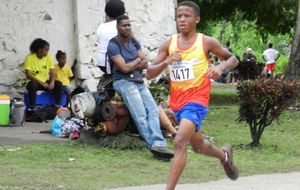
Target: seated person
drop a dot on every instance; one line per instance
(39, 70)
(63, 73)
(128, 64)
(167, 121)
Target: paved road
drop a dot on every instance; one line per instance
(25, 134)
(281, 181)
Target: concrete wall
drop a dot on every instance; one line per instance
(70, 25)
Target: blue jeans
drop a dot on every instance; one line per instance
(143, 110)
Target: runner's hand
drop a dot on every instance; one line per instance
(214, 72)
(174, 57)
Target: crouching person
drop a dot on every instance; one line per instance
(128, 62)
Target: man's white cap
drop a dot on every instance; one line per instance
(249, 50)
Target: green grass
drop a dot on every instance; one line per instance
(223, 94)
(47, 166)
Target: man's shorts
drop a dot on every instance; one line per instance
(270, 67)
(193, 112)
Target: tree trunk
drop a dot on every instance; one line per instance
(255, 138)
(293, 70)
(223, 27)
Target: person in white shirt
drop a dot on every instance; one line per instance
(108, 29)
(270, 55)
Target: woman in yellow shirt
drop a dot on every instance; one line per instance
(39, 70)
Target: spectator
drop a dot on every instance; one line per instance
(167, 121)
(248, 65)
(270, 55)
(108, 29)
(63, 73)
(249, 56)
(128, 63)
(39, 70)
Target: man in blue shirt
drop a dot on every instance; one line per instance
(128, 64)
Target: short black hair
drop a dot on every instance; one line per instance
(191, 4)
(114, 8)
(37, 44)
(270, 45)
(59, 53)
(121, 17)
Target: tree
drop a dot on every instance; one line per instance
(293, 70)
(268, 17)
(262, 102)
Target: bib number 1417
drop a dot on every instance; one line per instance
(182, 74)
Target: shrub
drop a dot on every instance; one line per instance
(160, 90)
(262, 101)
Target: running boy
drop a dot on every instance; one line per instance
(186, 54)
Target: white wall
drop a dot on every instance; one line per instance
(70, 25)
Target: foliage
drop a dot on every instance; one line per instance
(267, 17)
(280, 18)
(262, 101)
(250, 37)
(160, 90)
(223, 98)
(121, 141)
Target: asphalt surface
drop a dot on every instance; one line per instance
(280, 181)
(26, 134)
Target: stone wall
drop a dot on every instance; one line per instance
(70, 25)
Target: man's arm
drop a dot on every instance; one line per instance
(124, 67)
(115, 55)
(144, 63)
(212, 45)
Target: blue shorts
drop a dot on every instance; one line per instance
(192, 111)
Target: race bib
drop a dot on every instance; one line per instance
(182, 71)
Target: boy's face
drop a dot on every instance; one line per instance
(62, 60)
(186, 19)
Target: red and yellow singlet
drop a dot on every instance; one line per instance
(188, 79)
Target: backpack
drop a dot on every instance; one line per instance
(108, 62)
(41, 113)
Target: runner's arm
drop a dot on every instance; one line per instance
(162, 60)
(212, 45)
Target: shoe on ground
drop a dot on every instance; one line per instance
(162, 152)
(228, 165)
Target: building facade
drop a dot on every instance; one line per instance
(70, 25)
